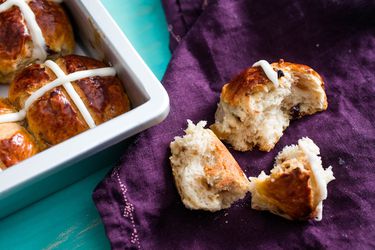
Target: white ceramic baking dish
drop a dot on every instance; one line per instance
(98, 36)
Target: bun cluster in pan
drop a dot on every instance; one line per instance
(254, 110)
(53, 95)
(54, 116)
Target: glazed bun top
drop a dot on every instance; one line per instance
(6, 107)
(54, 117)
(254, 80)
(16, 144)
(17, 44)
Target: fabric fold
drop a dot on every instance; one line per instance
(181, 15)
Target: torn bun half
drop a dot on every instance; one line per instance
(206, 174)
(254, 110)
(297, 185)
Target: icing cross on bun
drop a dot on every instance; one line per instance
(16, 143)
(206, 174)
(297, 185)
(64, 98)
(31, 30)
(258, 104)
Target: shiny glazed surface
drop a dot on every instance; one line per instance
(16, 45)
(54, 117)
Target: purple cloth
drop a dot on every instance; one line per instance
(138, 201)
(181, 15)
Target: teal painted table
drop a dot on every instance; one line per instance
(68, 219)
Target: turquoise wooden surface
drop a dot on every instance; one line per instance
(68, 219)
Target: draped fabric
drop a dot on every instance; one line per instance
(212, 41)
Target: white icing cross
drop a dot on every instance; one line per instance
(268, 70)
(72, 93)
(322, 177)
(39, 51)
(64, 80)
(13, 117)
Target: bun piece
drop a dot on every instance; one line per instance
(297, 185)
(30, 31)
(16, 144)
(254, 110)
(206, 174)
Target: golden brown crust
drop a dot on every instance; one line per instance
(26, 82)
(104, 96)
(54, 117)
(6, 107)
(297, 68)
(207, 176)
(225, 173)
(16, 46)
(297, 185)
(290, 194)
(12, 33)
(55, 25)
(16, 144)
(244, 84)
(15, 43)
(17, 147)
(254, 80)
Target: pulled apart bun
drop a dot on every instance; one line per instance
(253, 111)
(297, 185)
(206, 174)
